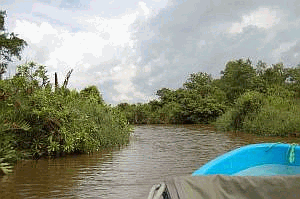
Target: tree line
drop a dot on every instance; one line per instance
(38, 119)
(261, 99)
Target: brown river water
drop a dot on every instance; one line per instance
(154, 153)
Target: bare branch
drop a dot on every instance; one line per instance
(67, 78)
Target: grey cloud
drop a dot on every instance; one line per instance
(63, 19)
(291, 57)
(104, 66)
(73, 4)
(106, 86)
(42, 54)
(185, 37)
(176, 31)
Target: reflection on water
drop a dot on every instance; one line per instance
(154, 153)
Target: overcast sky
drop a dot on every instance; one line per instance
(129, 49)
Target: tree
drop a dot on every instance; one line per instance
(293, 81)
(155, 105)
(201, 82)
(162, 92)
(10, 46)
(122, 106)
(261, 67)
(92, 94)
(275, 75)
(238, 77)
(34, 73)
(166, 95)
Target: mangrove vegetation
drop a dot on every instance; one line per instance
(38, 119)
(261, 99)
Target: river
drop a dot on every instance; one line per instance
(154, 153)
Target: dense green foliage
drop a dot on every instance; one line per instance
(199, 101)
(270, 106)
(260, 100)
(35, 120)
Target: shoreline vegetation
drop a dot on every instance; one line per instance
(38, 119)
(262, 99)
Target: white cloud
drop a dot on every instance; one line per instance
(95, 40)
(276, 53)
(145, 9)
(116, 69)
(123, 74)
(116, 30)
(33, 32)
(84, 48)
(262, 18)
(101, 40)
(147, 68)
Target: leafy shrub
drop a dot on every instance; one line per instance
(249, 104)
(171, 113)
(280, 91)
(278, 117)
(36, 121)
(263, 115)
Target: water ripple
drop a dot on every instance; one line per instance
(154, 153)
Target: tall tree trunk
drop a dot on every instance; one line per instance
(56, 82)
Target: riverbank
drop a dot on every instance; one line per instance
(257, 99)
(37, 121)
(266, 115)
(252, 112)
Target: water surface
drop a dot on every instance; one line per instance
(154, 153)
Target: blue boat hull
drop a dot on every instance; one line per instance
(256, 160)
